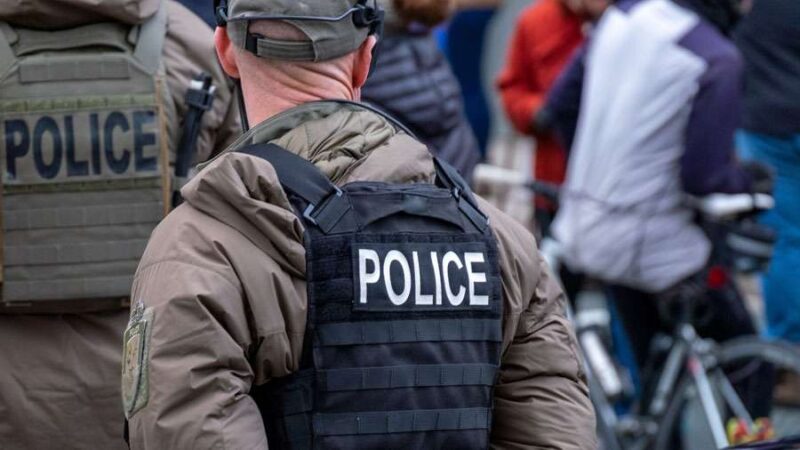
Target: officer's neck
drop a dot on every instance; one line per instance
(265, 98)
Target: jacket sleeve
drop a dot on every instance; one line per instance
(542, 399)
(708, 164)
(195, 375)
(521, 95)
(564, 101)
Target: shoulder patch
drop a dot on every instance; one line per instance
(135, 356)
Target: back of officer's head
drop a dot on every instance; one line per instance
(284, 63)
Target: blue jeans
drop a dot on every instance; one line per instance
(781, 282)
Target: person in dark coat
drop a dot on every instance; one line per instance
(413, 82)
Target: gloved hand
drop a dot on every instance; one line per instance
(762, 176)
(426, 12)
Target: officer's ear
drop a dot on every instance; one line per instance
(226, 52)
(363, 61)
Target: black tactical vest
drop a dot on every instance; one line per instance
(404, 335)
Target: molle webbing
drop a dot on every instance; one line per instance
(382, 369)
(393, 332)
(75, 68)
(432, 375)
(83, 147)
(388, 422)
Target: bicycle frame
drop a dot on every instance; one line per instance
(689, 356)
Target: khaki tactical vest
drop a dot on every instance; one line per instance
(85, 154)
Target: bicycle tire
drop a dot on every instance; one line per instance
(781, 355)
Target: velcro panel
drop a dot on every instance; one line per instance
(348, 277)
(408, 376)
(37, 70)
(387, 332)
(388, 422)
(400, 277)
(105, 138)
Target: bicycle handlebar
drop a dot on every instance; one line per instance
(720, 206)
(713, 206)
(512, 178)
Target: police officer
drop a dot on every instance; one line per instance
(328, 284)
(92, 100)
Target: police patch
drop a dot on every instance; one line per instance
(135, 388)
(421, 277)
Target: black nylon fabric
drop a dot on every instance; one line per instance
(403, 352)
(413, 82)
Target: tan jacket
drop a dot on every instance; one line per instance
(222, 287)
(59, 374)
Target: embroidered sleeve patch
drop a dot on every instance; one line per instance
(135, 383)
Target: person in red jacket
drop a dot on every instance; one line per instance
(547, 34)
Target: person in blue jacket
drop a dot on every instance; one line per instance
(769, 39)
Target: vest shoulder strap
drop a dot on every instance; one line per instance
(150, 44)
(300, 177)
(296, 175)
(449, 178)
(7, 57)
(326, 204)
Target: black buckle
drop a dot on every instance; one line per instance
(309, 212)
(368, 16)
(200, 94)
(251, 42)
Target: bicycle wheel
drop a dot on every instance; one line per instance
(761, 375)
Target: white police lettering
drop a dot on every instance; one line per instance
(421, 299)
(471, 258)
(394, 297)
(448, 273)
(366, 278)
(452, 258)
(437, 276)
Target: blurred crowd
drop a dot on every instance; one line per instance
(628, 106)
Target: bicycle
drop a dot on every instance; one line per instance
(697, 375)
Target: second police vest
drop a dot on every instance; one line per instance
(404, 326)
(85, 154)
